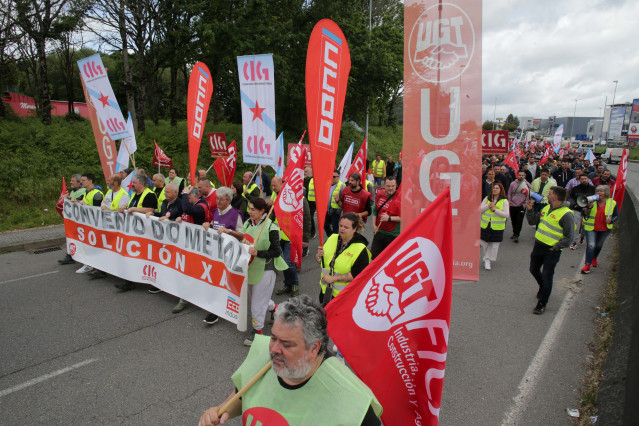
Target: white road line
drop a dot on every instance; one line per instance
(45, 377)
(30, 276)
(529, 381)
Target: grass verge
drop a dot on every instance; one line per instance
(599, 347)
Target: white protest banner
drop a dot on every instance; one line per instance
(202, 267)
(102, 97)
(257, 92)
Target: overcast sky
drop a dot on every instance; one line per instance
(541, 55)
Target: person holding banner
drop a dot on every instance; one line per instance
(116, 197)
(207, 190)
(285, 393)
(599, 217)
(555, 230)
(174, 178)
(494, 213)
(76, 194)
(93, 196)
(171, 207)
(264, 238)
(343, 257)
(159, 188)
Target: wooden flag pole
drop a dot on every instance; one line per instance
(264, 223)
(246, 387)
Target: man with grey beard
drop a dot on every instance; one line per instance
(285, 394)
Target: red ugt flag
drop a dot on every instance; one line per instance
(620, 184)
(160, 159)
(289, 206)
(63, 193)
(225, 167)
(391, 322)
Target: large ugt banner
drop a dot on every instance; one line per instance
(197, 108)
(328, 62)
(442, 118)
(207, 269)
(391, 322)
(257, 92)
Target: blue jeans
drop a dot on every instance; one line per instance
(290, 274)
(378, 181)
(594, 241)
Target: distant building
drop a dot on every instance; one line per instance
(24, 106)
(550, 125)
(526, 123)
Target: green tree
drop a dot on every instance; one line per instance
(489, 125)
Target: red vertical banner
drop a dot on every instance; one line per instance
(63, 193)
(619, 190)
(328, 62)
(107, 150)
(225, 167)
(442, 118)
(197, 108)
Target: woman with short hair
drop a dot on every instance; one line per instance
(598, 218)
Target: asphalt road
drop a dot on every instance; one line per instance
(75, 351)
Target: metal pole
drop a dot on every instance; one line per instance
(572, 127)
(614, 94)
(370, 26)
(494, 113)
(603, 118)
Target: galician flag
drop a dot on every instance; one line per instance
(128, 146)
(556, 143)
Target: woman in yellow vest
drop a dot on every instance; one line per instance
(343, 257)
(598, 218)
(494, 212)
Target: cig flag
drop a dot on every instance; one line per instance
(197, 108)
(257, 93)
(63, 193)
(620, 184)
(391, 322)
(225, 167)
(289, 206)
(128, 146)
(102, 97)
(328, 63)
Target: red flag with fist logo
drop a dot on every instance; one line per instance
(391, 322)
(289, 206)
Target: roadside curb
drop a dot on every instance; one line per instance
(32, 245)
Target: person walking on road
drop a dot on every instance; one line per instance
(518, 194)
(494, 213)
(555, 230)
(598, 219)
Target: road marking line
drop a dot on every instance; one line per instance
(30, 276)
(536, 367)
(45, 377)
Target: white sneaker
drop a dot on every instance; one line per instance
(487, 265)
(84, 269)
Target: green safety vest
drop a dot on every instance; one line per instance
(343, 263)
(251, 189)
(144, 194)
(88, 196)
(78, 194)
(283, 236)
(311, 190)
(589, 222)
(336, 191)
(536, 184)
(256, 268)
(332, 396)
(115, 203)
(177, 180)
(496, 222)
(161, 198)
(549, 231)
(379, 168)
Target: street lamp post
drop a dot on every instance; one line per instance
(572, 127)
(494, 113)
(614, 94)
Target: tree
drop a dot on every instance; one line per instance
(511, 124)
(41, 21)
(489, 125)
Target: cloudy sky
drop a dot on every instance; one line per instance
(541, 55)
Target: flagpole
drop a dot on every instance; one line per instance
(126, 145)
(246, 387)
(207, 170)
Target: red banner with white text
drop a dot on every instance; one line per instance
(197, 108)
(619, 190)
(160, 159)
(359, 163)
(328, 63)
(442, 118)
(225, 167)
(392, 321)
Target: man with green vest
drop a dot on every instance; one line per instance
(76, 193)
(116, 197)
(555, 230)
(379, 170)
(174, 178)
(309, 193)
(542, 186)
(331, 224)
(285, 394)
(93, 196)
(159, 188)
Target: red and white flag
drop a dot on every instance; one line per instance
(289, 206)
(63, 193)
(160, 159)
(391, 322)
(546, 155)
(359, 164)
(197, 108)
(511, 160)
(225, 167)
(620, 184)
(328, 63)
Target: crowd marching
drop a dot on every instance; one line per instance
(552, 194)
